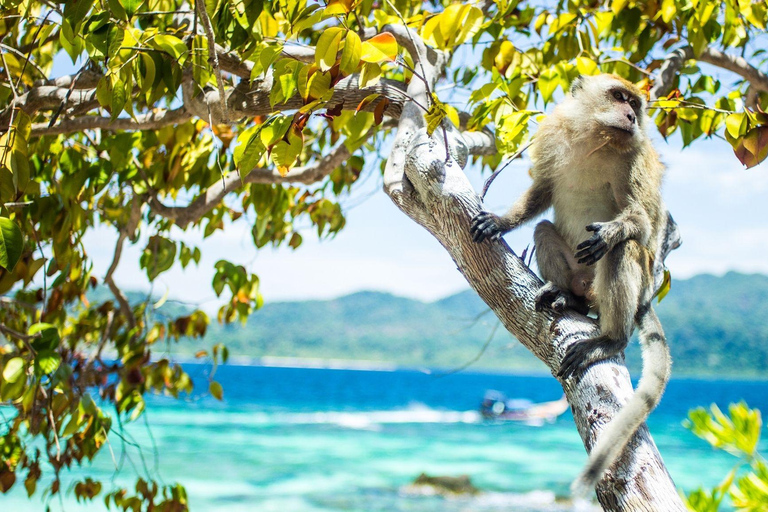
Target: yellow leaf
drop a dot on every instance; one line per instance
(327, 48)
(432, 34)
(435, 114)
(369, 75)
(587, 66)
(285, 152)
(453, 115)
(319, 84)
(548, 82)
(736, 124)
(668, 10)
(666, 285)
(350, 56)
(379, 48)
(668, 104)
(338, 7)
(618, 5)
(470, 24)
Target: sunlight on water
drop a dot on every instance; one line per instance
(308, 440)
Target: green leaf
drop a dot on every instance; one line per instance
(11, 243)
(75, 10)
(169, 44)
(13, 370)
(285, 152)
(328, 47)
(736, 124)
(131, 6)
(46, 336)
(118, 100)
(158, 256)
(350, 55)
(46, 362)
(249, 150)
(548, 82)
(216, 390)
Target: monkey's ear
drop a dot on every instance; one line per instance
(577, 84)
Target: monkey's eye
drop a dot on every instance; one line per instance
(618, 95)
(633, 103)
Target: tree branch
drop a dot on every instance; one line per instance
(126, 231)
(675, 60)
(213, 196)
(149, 121)
(738, 65)
(213, 58)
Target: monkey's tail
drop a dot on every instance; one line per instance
(656, 370)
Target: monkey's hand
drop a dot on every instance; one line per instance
(590, 251)
(487, 225)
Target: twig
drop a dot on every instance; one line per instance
(474, 359)
(497, 172)
(53, 429)
(23, 56)
(42, 255)
(10, 78)
(32, 47)
(213, 57)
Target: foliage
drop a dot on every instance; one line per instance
(183, 116)
(737, 433)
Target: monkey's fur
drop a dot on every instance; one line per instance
(594, 163)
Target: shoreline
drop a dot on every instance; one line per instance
(316, 363)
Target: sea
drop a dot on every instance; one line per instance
(299, 439)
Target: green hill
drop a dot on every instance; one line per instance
(715, 326)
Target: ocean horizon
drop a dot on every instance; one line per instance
(312, 438)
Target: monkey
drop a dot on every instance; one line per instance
(594, 164)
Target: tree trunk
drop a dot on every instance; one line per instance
(425, 180)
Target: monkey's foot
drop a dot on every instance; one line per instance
(486, 225)
(581, 355)
(551, 296)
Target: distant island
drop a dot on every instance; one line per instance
(715, 325)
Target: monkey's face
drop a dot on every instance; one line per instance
(617, 109)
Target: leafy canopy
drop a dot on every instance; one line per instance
(185, 115)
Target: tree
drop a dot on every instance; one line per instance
(186, 115)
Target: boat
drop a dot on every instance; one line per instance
(496, 406)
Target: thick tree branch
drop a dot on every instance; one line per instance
(425, 180)
(738, 65)
(674, 62)
(149, 121)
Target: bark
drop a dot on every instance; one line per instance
(425, 180)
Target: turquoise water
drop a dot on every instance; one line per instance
(289, 439)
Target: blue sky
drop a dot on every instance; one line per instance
(721, 209)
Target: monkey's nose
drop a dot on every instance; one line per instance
(631, 118)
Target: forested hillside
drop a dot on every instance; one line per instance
(715, 325)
